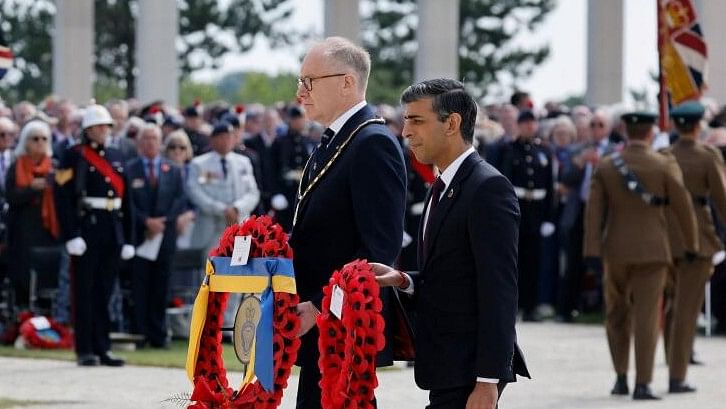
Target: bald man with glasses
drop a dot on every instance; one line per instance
(351, 199)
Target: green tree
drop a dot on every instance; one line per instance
(487, 53)
(191, 91)
(266, 89)
(26, 28)
(208, 29)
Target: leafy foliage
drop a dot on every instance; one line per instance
(207, 31)
(488, 53)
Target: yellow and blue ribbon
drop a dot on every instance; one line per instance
(264, 276)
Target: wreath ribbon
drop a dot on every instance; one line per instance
(261, 275)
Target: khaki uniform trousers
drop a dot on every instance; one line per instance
(632, 294)
(689, 292)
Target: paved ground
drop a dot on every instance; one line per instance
(570, 364)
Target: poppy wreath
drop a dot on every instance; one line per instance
(211, 387)
(348, 346)
(61, 337)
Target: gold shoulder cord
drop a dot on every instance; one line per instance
(300, 194)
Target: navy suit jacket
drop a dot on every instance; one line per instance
(466, 293)
(356, 210)
(169, 199)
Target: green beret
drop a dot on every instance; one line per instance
(639, 117)
(688, 112)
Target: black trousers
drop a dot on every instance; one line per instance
(455, 398)
(570, 287)
(150, 286)
(94, 275)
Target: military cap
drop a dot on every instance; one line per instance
(191, 111)
(295, 112)
(221, 127)
(639, 117)
(231, 119)
(525, 116)
(688, 112)
(172, 121)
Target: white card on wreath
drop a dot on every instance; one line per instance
(241, 251)
(40, 323)
(336, 302)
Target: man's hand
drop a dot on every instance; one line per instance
(307, 313)
(155, 225)
(183, 221)
(230, 215)
(484, 396)
(386, 276)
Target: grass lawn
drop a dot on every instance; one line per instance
(174, 357)
(9, 403)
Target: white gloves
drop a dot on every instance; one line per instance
(279, 202)
(546, 229)
(127, 251)
(76, 246)
(718, 257)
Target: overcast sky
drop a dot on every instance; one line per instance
(562, 75)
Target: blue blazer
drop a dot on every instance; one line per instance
(355, 210)
(466, 293)
(169, 199)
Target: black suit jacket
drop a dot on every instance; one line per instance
(168, 200)
(466, 295)
(355, 211)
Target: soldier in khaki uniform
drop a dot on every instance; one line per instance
(703, 177)
(625, 224)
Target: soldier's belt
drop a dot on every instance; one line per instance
(102, 203)
(530, 194)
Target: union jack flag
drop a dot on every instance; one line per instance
(683, 53)
(6, 57)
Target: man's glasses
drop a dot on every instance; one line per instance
(177, 147)
(308, 81)
(5, 134)
(597, 125)
(39, 138)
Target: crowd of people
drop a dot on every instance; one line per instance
(188, 173)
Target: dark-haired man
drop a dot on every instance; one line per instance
(466, 296)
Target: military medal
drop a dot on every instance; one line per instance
(245, 328)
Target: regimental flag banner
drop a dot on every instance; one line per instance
(6, 57)
(683, 53)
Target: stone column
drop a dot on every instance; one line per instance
(438, 40)
(73, 50)
(342, 18)
(711, 13)
(156, 57)
(605, 52)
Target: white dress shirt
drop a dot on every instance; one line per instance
(338, 123)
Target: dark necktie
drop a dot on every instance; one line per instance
(436, 190)
(325, 139)
(2, 169)
(224, 167)
(152, 175)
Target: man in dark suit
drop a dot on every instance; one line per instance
(352, 195)
(466, 296)
(157, 197)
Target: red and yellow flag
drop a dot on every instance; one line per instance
(683, 55)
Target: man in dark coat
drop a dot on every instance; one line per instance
(466, 294)
(157, 197)
(352, 194)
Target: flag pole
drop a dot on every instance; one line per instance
(663, 88)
